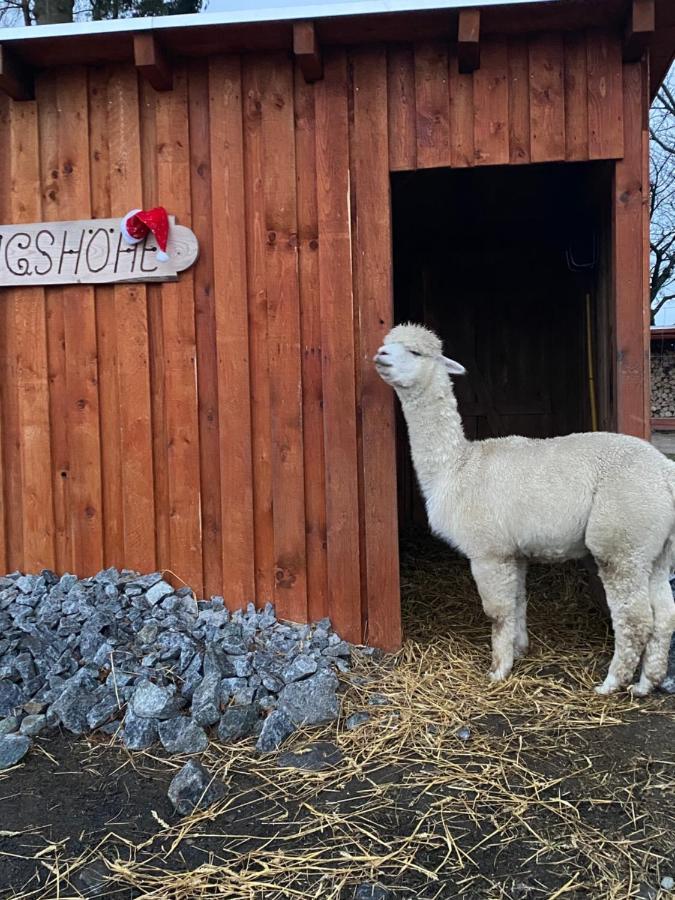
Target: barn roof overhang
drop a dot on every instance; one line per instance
(260, 28)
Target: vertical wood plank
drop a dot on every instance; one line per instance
(519, 102)
(547, 98)
(283, 320)
(337, 325)
(491, 104)
(432, 103)
(106, 329)
(232, 337)
(576, 98)
(261, 435)
(178, 334)
(48, 122)
(160, 439)
(9, 381)
(631, 292)
(29, 347)
(5, 171)
(132, 341)
(205, 308)
(79, 321)
(401, 105)
(310, 322)
(605, 96)
(375, 317)
(462, 151)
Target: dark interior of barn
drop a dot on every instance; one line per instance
(511, 267)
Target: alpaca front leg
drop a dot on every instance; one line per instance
(497, 583)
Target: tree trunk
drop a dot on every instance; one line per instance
(52, 12)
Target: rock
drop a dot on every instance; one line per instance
(34, 707)
(138, 733)
(33, 725)
(13, 747)
(312, 701)
(11, 696)
(158, 592)
(338, 648)
(463, 733)
(276, 728)
(206, 700)
(151, 701)
(9, 725)
(148, 633)
(372, 892)
(241, 665)
(300, 667)
(194, 788)
(103, 711)
(237, 722)
(182, 735)
(26, 584)
(315, 758)
(378, 700)
(356, 719)
(71, 708)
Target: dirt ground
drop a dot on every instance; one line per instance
(554, 793)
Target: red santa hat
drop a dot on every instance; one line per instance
(138, 223)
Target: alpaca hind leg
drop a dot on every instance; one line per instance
(521, 642)
(497, 583)
(627, 594)
(655, 659)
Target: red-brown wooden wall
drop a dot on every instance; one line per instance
(229, 427)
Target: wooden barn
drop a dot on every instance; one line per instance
(482, 169)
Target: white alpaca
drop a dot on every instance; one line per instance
(504, 501)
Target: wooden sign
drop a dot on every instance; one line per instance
(89, 252)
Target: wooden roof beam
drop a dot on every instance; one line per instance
(468, 40)
(307, 51)
(152, 63)
(16, 78)
(639, 29)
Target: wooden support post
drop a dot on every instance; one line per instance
(307, 52)
(16, 79)
(639, 29)
(152, 63)
(630, 260)
(468, 40)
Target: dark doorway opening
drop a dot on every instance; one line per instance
(511, 266)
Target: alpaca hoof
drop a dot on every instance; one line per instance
(608, 686)
(501, 673)
(643, 688)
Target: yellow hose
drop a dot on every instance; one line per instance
(591, 366)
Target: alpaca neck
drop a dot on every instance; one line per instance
(434, 429)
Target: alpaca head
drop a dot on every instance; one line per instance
(411, 355)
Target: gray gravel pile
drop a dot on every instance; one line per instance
(130, 656)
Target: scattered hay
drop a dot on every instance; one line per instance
(528, 798)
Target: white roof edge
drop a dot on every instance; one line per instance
(245, 16)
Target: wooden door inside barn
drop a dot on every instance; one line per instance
(500, 266)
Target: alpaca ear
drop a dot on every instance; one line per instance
(454, 368)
